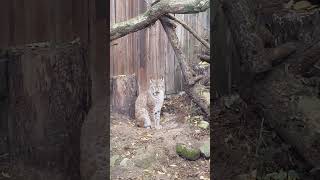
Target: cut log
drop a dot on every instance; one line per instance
(124, 94)
(49, 97)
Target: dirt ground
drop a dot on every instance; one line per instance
(139, 153)
(244, 147)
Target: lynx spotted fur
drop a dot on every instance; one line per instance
(149, 103)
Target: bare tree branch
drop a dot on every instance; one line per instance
(169, 28)
(142, 21)
(196, 91)
(193, 32)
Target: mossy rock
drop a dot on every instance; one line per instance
(187, 152)
(114, 160)
(301, 5)
(203, 124)
(205, 149)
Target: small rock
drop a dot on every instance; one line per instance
(187, 152)
(126, 162)
(301, 5)
(145, 157)
(181, 93)
(113, 160)
(145, 162)
(205, 149)
(194, 119)
(203, 124)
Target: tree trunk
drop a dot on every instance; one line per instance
(124, 94)
(49, 97)
(263, 32)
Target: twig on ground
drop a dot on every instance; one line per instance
(260, 137)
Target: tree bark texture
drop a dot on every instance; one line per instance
(142, 21)
(49, 97)
(278, 54)
(124, 94)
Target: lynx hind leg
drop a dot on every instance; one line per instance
(143, 119)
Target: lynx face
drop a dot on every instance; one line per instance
(157, 88)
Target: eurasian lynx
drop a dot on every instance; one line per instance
(149, 103)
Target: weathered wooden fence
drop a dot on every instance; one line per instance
(28, 21)
(147, 53)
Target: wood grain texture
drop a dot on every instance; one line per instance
(30, 21)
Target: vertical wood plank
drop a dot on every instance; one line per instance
(41, 15)
(147, 52)
(18, 21)
(4, 20)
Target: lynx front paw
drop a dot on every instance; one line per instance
(147, 126)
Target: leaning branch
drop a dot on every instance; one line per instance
(142, 21)
(194, 33)
(169, 28)
(196, 91)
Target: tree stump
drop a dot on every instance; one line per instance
(49, 97)
(124, 94)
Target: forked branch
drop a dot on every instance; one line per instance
(142, 21)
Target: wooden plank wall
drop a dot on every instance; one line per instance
(29, 21)
(148, 53)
